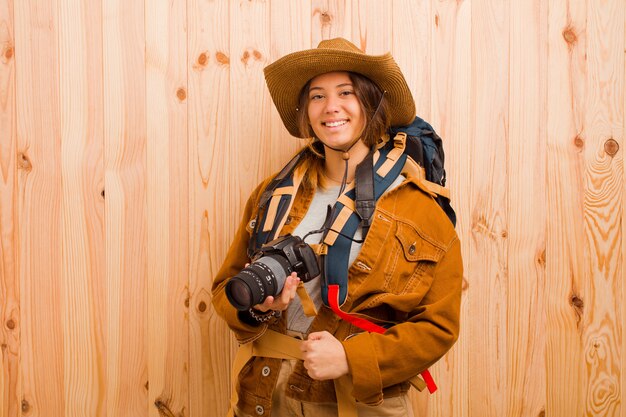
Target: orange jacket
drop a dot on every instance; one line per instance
(408, 274)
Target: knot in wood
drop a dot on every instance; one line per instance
(181, 94)
(24, 163)
(202, 59)
(222, 58)
(569, 35)
(326, 18)
(611, 147)
(10, 324)
(8, 52)
(579, 142)
(202, 307)
(25, 406)
(577, 302)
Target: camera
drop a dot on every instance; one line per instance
(270, 267)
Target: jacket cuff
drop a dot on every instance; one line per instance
(366, 379)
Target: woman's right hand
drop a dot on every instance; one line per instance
(282, 300)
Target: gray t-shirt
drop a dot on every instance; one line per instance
(313, 220)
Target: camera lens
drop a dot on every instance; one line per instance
(239, 293)
(262, 278)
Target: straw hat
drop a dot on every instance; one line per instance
(286, 77)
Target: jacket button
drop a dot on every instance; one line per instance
(259, 410)
(252, 223)
(265, 371)
(288, 220)
(412, 249)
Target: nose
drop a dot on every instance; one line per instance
(332, 104)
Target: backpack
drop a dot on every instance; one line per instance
(425, 147)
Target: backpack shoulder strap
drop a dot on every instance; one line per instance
(278, 210)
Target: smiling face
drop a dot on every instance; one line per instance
(334, 110)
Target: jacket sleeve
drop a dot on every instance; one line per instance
(244, 327)
(380, 360)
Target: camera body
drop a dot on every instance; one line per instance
(269, 269)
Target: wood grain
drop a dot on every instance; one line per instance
(124, 193)
(39, 208)
(82, 284)
(330, 19)
(525, 342)
(212, 218)
(290, 31)
(9, 281)
(412, 40)
(566, 251)
(488, 275)
(603, 198)
(250, 103)
(451, 85)
(167, 207)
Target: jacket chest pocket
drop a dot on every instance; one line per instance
(411, 258)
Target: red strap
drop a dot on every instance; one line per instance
(333, 300)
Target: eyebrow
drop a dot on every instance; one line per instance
(337, 86)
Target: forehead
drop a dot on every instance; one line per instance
(330, 79)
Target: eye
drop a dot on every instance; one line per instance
(316, 97)
(346, 93)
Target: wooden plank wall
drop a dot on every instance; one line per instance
(131, 133)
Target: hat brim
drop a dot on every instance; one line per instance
(287, 76)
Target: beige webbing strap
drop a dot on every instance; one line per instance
(399, 143)
(418, 383)
(338, 224)
(346, 404)
(297, 179)
(412, 168)
(277, 345)
(347, 201)
(307, 304)
(271, 213)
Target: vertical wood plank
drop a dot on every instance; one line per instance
(290, 31)
(212, 218)
(622, 270)
(525, 317)
(566, 253)
(250, 103)
(371, 26)
(488, 196)
(82, 207)
(603, 201)
(411, 36)
(9, 284)
(451, 69)
(124, 114)
(330, 19)
(39, 208)
(167, 207)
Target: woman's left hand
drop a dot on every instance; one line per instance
(324, 356)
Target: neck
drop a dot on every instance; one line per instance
(335, 164)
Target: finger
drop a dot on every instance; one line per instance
(266, 305)
(316, 336)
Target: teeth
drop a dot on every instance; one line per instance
(335, 124)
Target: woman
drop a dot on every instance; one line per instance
(404, 278)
